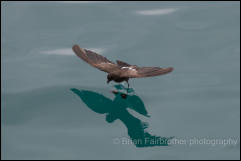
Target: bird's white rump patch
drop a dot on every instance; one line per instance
(130, 68)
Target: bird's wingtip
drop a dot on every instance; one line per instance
(170, 69)
(78, 49)
(75, 46)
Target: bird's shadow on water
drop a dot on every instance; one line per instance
(117, 109)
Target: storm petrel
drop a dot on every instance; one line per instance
(118, 72)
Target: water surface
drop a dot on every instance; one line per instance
(55, 106)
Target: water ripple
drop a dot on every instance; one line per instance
(151, 12)
(68, 51)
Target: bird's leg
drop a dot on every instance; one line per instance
(128, 86)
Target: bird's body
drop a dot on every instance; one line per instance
(120, 71)
(116, 78)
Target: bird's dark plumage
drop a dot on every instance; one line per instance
(118, 72)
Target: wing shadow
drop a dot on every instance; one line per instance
(117, 109)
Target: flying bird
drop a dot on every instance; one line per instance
(119, 71)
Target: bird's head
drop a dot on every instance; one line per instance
(109, 78)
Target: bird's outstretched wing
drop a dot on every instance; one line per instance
(122, 64)
(139, 72)
(95, 60)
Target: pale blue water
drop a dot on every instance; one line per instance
(44, 116)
